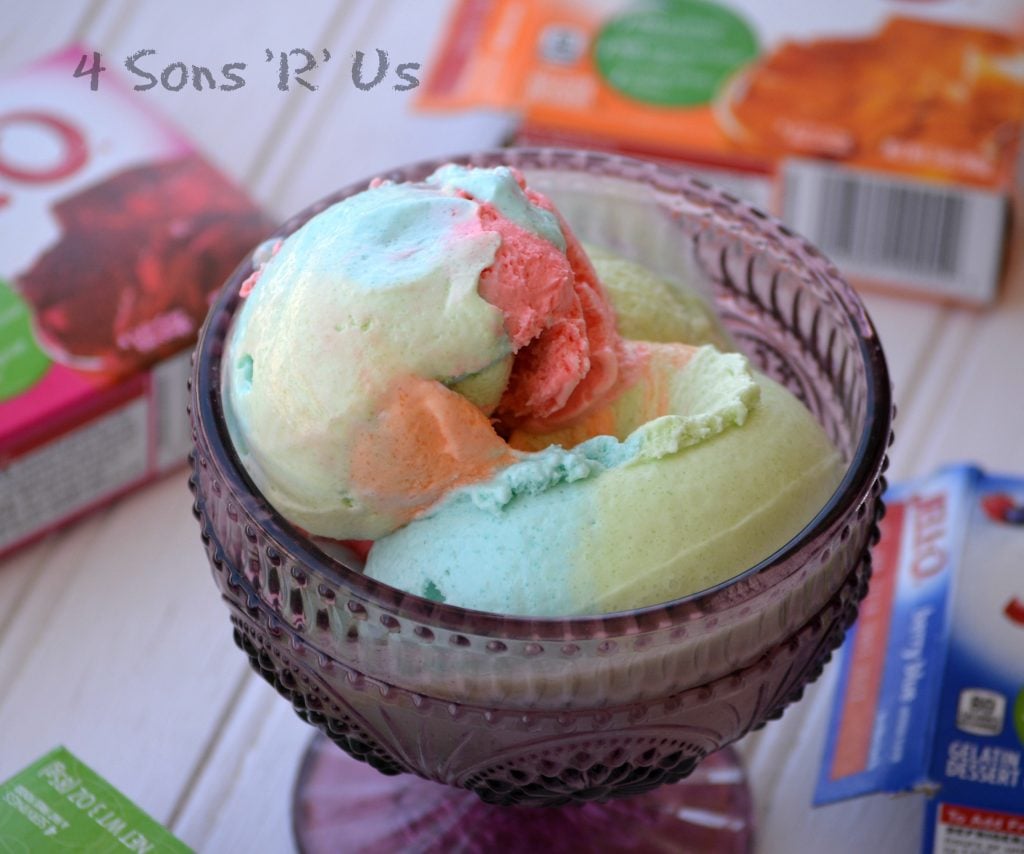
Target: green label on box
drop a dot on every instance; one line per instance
(59, 804)
(674, 53)
(21, 360)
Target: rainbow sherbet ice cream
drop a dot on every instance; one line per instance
(518, 424)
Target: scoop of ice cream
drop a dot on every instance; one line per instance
(376, 341)
(437, 367)
(699, 469)
(650, 308)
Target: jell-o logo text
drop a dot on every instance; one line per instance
(929, 555)
(39, 148)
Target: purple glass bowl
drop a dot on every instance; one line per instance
(552, 711)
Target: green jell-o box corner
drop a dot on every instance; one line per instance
(59, 804)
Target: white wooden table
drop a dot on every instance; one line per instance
(112, 638)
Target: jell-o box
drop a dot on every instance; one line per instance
(931, 691)
(114, 233)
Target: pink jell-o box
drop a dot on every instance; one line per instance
(114, 233)
(931, 691)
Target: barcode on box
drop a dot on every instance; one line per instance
(80, 469)
(942, 239)
(173, 432)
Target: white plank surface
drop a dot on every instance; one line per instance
(231, 128)
(29, 30)
(120, 638)
(112, 638)
(350, 134)
(244, 792)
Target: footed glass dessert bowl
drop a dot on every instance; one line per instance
(584, 709)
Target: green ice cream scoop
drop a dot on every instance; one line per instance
(705, 468)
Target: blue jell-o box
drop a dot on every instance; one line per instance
(931, 686)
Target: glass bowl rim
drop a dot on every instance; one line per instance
(865, 465)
